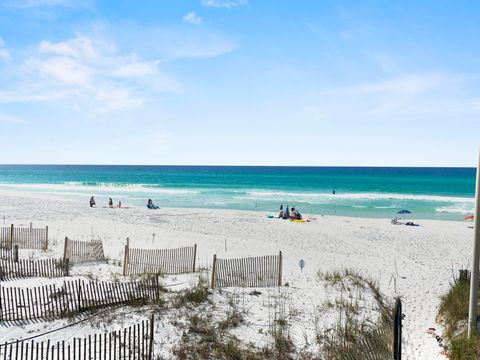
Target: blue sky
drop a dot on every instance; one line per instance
(240, 82)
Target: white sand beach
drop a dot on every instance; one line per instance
(415, 263)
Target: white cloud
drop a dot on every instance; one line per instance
(93, 71)
(114, 99)
(224, 3)
(79, 47)
(136, 69)
(10, 119)
(61, 69)
(401, 99)
(27, 4)
(4, 53)
(405, 85)
(31, 92)
(88, 72)
(192, 18)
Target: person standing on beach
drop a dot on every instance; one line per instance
(92, 201)
(280, 215)
(110, 202)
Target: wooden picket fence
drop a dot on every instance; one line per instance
(134, 342)
(159, 261)
(25, 238)
(256, 271)
(73, 297)
(11, 270)
(6, 254)
(83, 251)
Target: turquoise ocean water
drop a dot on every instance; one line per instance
(429, 193)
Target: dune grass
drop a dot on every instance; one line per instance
(355, 334)
(453, 315)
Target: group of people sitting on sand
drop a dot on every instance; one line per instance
(110, 203)
(150, 203)
(293, 214)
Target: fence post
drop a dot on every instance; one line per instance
(15, 253)
(150, 345)
(79, 297)
(212, 284)
(397, 330)
(66, 269)
(65, 249)
(280, 269)
(46, 238)
(11, 237)
(194, 256)
(125, 257)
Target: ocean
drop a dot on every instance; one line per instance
(429, 193)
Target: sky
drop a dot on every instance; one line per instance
(240, 82)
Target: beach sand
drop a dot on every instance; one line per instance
(415, 263)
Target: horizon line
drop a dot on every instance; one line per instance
(220, 165)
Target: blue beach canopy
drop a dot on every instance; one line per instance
(404, 212)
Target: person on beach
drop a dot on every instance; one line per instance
(119, 204)
(92, 201)
(110, 203)
(150, 204)
(293, 214)
(286, 214)
(280, 215)
(298, 216)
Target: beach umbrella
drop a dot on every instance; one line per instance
(404, 212)
(468, 218)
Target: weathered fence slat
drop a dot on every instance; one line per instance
(24, 237)
(83, 251)
(11, 270)
(132, 342)
(73, 297)
(159, 261)
(259, 271)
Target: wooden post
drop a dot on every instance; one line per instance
(66, 269)
(11, 237)
(46, 238)
(194, 256)
(65, 249)
(280, 269)
(150, 346)
(125, 257)
(397, 330)
(15, 253)
(212, 284)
